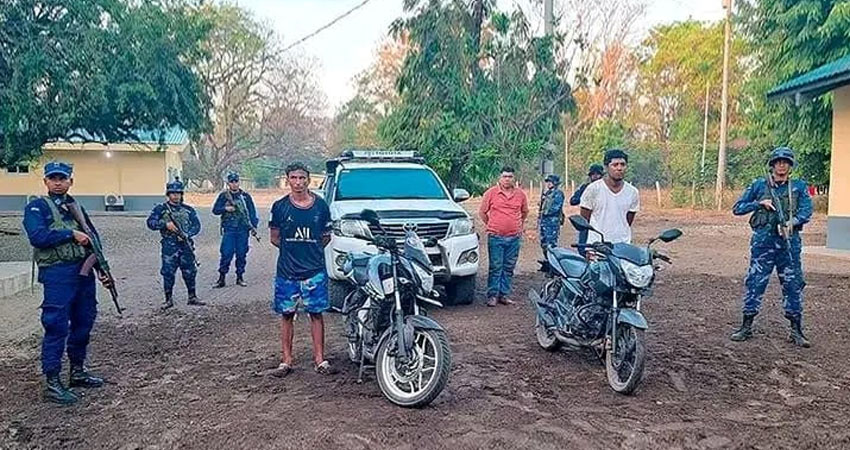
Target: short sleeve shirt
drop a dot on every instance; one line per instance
(302, 255)
(610, 210)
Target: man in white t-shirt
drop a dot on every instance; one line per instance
(610, 204)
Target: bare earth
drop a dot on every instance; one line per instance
(187, 379)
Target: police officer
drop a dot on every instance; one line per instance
(70, 301)
(238, 219)
(551, 213)
(178, 223)
(773, 244)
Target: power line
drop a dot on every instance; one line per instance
(326, 26)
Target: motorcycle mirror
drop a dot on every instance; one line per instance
(580, 223)
(670, 235)
(370, 216)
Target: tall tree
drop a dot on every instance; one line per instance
(789, 38)
(106, 67)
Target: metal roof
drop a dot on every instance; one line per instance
(168, 136)
(816, 82)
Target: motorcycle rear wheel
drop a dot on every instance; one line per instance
(624, 364)
(546, 338)
(419, 382)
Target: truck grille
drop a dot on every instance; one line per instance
(437, 230)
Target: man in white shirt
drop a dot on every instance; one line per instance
(610, 204)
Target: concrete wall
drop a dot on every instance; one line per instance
(838, 223)
(138, 173)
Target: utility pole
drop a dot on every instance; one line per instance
(548, 16)
(721, 152)
(704, 134)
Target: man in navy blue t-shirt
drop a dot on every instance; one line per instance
(300, 228)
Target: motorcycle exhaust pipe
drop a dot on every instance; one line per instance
(430, 301)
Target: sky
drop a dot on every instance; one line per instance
(347, 48)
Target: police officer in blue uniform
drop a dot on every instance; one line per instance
(238, 220)
(551, 213)
(178, 223)
(774, 243)
(70, 297)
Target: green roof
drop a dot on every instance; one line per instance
(168, 136)
(819, 81)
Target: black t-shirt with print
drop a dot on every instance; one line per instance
(302, 255)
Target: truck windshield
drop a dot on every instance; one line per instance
(385, 183)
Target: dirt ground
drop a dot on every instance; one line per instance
(186, 379)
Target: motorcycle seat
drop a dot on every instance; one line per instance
(573, 264)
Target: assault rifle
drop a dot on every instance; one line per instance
(785, 228)
(242, 212)
(168, 215)
(96, 260)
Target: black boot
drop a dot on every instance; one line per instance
(220, 283)
(169, 301)
(80, 377)
(746, 330)
(193, 299)
(56, 392)
(240, 281)
(797, 335)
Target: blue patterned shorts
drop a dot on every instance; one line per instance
(313, 292)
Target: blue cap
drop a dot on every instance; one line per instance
(596, 169)
(554, 179)
(58, 168)
(232, 176)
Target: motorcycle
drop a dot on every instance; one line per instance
(386, 322)
(595, 302)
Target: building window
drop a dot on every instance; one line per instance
(22, 168)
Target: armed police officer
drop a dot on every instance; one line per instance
(178, 223)
(238, 220)
(551, 213)
(780, 208)
(70, 297)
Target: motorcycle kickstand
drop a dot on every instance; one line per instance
(362, 365)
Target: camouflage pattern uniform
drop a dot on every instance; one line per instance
(551, 214)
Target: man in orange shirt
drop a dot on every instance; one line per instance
(504, 209)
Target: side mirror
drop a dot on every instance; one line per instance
(460, 195)
(370, 216)
(670, 235)
(580, 223)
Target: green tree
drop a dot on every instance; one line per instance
(107, 67)
(789, 38)
(476, 90)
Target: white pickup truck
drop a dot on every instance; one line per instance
(406, 194)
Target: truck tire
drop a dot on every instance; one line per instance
(461, 290)
(337, 290)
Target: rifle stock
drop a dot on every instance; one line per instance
(181, 235)
(96, 260)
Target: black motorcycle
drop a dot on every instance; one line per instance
(594, 302)
(386, 323)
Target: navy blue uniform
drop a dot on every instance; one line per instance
(235, 230)
(176, 253)
(551, 209)
(768, 249)
(69, 308)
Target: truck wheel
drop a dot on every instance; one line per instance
(337, 290)
(461, 290)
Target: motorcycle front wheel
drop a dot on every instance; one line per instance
(420, 380)
(624, 364)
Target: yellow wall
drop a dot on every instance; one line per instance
(128, 172)
(839, 177)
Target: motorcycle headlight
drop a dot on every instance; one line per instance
(425, 277)
(637, 276)
(461, 227)
(353, 228)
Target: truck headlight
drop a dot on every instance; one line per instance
(637, 276)
(352, 228)
(461, 227)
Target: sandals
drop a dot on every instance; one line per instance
(282, 370)
(325, 368)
